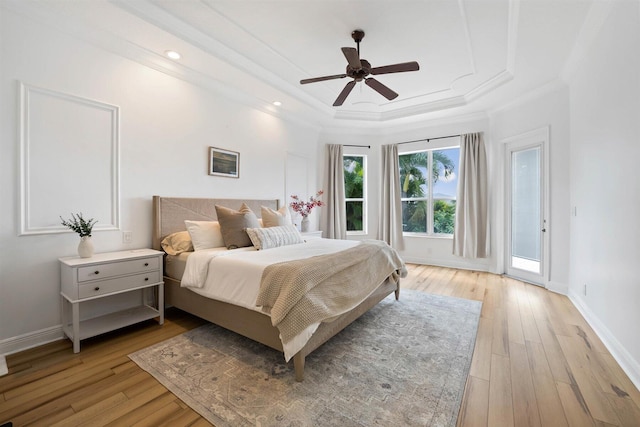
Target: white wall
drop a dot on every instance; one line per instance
(166, 127)
(605, 188)
(547, 109)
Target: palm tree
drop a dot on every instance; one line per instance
(441, 162)
(413, 178)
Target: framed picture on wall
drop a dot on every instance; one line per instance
(224, 163)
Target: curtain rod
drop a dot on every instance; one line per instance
(429, 139)
(405, 142)
(352, 145)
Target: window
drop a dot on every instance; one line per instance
(429, 181)
(355, 192)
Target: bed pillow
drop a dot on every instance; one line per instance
(204, 234)
(176, 243)
(273, 237)
(273, 218)
(234, 225)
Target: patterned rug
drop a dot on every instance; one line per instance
(403, 363)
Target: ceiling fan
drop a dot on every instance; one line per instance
(358, 69)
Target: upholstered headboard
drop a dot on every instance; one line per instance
(169, 213)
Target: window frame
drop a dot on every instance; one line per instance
(443, 145)
(364, 198)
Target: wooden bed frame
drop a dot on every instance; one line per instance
(169, 214)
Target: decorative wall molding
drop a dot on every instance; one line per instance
(44, 131)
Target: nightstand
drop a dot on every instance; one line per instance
(312, 234)
(104, 275)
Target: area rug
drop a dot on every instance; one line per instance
(403, 363)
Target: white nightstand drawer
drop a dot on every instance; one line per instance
(101, 287)
(113, 269)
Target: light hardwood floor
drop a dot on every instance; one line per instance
(536, 363)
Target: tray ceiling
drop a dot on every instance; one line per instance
(474, 55)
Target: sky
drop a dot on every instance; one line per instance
(447, 188)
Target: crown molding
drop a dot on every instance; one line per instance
(390, 131)
(539, 92)
(596, 17)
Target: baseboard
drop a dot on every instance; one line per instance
(559, 288)
(630, 366)
(3, 366)
(30, 340)
(446, 263)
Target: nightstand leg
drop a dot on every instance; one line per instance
(161, 302)
(75, 319)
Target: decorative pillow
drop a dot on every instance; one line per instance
(204, 234)
(176, 243)
(273, 237)
(272, 218)
(234, 224)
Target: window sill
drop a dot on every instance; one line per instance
(429, 236)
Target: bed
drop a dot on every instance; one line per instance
(169, 214)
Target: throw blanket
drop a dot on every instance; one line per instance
(303, 292)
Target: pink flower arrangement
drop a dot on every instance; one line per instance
(305, 208)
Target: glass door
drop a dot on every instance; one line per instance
(525, 211)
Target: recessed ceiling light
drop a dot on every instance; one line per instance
(277, 103)
(172, 54)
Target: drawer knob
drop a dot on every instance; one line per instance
(146, 279)
(96, 272)
(146, 264)
(97, 288)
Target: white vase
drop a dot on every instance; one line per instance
(85, 247)
(304, 225)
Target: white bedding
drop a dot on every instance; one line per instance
(234, 276)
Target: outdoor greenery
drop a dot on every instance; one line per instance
(444, 216)
(413, 179)
(354, 189)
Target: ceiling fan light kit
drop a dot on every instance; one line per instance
(359, 69)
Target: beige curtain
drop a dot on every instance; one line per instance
(334, 213)
(471, 234)
(390, 224)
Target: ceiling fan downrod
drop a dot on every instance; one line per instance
(357, 36)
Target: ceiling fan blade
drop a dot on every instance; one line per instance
(345, 92)
(381, 89)
(320, 79)
(396, 68)
(351, 53)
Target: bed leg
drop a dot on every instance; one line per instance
(398, 292)
(298, 366)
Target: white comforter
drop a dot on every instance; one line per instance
(234, 276)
